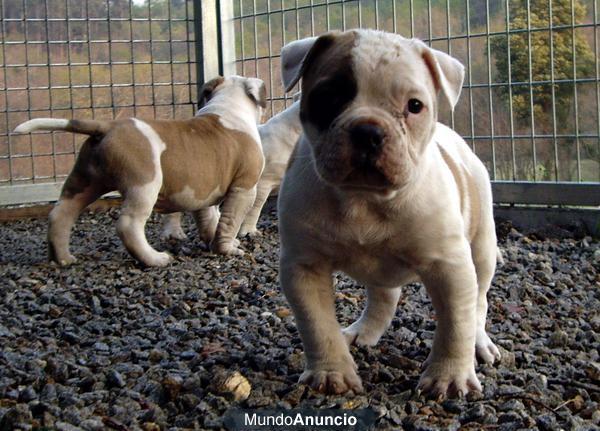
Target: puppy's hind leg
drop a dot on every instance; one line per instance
(375, 318)
(484, 251)
(207, 220)
(137, 207)
(63, 217)
(234, 209)
(172, 227)
(249, 225)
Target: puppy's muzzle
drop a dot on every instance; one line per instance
(367, 139)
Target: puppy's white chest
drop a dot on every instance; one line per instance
(373, 254)
(379, 267)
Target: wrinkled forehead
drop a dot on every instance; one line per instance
(378, 63)
(389, 64)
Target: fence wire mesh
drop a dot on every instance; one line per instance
(531, 97)
(88, 59)
(530, 105)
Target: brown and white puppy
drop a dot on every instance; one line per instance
(170, 165)
(380, 190)
(278, 136)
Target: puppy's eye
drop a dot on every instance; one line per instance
(415, 106)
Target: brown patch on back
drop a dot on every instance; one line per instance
(80, 177)
(205, 156)
(116, 158)
(126, 156)
(89, 127)
(200, 154)
(470, 205)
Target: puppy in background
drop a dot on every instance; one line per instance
(380, 190)
(278, 136)
(169, 165)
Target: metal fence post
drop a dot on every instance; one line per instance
(206, 27)
(215, 39)
(227, 34)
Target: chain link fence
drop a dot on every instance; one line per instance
(86, 59)
(532, 119)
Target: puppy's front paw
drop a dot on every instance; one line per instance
(358, 335)
(249, 230)
(159, 259)
(65, 260)
(447, 378)
(207, 235)
(485, 348)
(333, 380)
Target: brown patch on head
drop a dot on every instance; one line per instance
(257, 95)
(207, 90)
(328, 81)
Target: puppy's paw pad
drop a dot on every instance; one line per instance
(332, 382)
(441, 380)
(485, 349)
(357, 337)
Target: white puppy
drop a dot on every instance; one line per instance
(279, 136)
(378, 189)
(169, 165)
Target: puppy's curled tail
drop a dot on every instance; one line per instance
(86, 127)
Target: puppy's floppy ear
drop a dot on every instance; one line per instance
(448, 73)
(207, 90)
(256, 90)
(297, 56)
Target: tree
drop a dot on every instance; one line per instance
(541, 66)
(549, 58)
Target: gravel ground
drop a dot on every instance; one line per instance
(106, 344)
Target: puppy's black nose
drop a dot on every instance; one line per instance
(367, 139)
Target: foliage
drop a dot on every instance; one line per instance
(541, 58)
